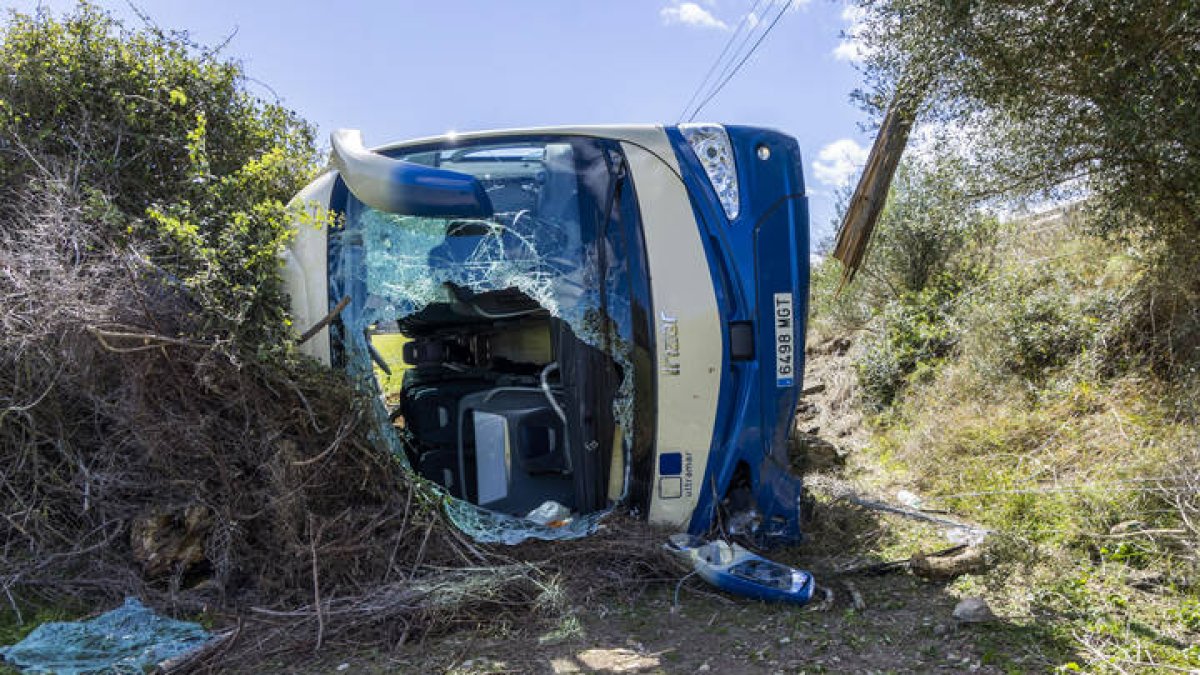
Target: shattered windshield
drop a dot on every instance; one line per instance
(493, 340)
(537, 241)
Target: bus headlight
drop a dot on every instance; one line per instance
(712, 148)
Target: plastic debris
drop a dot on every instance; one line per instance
(491, 527)
(909, 499)
(967, 536)
(736, 570)
(129, 639)
(550, 513)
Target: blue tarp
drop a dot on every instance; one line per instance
(129, 639)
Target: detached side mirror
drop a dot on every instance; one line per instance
(397, 186)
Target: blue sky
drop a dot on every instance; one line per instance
(400, 70)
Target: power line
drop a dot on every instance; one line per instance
(735, 55)
(724, 82)
(724, 51)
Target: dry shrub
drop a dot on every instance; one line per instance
(114, 425)
(1182, 490)
(109, 415)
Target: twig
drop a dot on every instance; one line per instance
(675, 603)
(316, 327)
(343, 434)
(16, 609)
(856, 597)
(149, 340)
(316, 582)
(826, 601)
(1135, 533)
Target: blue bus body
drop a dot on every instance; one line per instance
(587, 317)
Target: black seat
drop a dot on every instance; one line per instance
(431, 415)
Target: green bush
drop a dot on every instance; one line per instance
(916, 333)
(175, 156)
(1033, 323)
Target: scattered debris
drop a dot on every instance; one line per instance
(736, 570)
(131, 638)
(966, 536)
(164, 542)
(550, 513)
(912, 514)
(909, 499)
(943, 567)
(856, 596)
(826, 602)
(1126, 527)
(973, 610)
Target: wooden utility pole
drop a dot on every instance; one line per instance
(864, 208)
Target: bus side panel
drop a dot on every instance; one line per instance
(306, 266)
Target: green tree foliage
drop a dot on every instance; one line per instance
(930, 247)
(1102, 94)
(173, 153)
(928, 229)
(1089, 99)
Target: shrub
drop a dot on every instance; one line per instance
(173, 155)
(915, 333)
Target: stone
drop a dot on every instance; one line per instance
(973, 610)
(812, 453)
(1126, 526)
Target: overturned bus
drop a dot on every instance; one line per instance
(574, 317)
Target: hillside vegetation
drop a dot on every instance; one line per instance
(1004, 372)
(1028, 323)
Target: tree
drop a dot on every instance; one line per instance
(1097, 95)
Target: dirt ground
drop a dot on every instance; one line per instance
(903, 625)
(906, 628)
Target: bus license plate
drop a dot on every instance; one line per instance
(785, 341)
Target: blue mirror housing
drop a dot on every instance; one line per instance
(397, 186)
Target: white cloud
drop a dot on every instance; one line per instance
(851, 47)
(849, 50)
(839, 162)
(691, 14)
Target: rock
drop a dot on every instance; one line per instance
(163, 542)
(806, 412)
(811, 453)
(1125, 527)
(835, 346)
(943, 568)
(973, 610)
